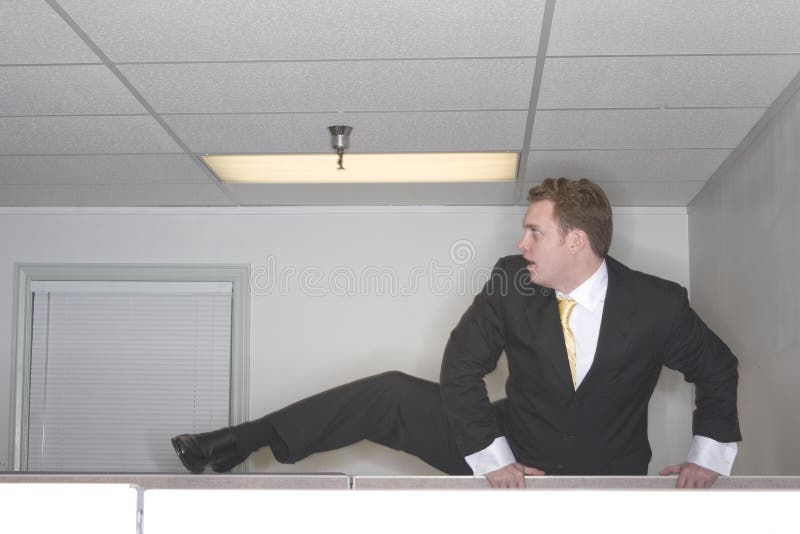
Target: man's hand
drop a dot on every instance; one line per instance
(691, 475)
(511, 476)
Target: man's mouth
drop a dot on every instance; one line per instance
(531, 267)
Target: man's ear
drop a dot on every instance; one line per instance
(577, 240)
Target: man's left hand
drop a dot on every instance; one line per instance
(691, 475)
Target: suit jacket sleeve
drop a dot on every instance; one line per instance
(705, 360)
(471, 353)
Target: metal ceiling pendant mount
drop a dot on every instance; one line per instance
(340, 140)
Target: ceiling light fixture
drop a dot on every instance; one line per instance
(340, 140)
(449, 167)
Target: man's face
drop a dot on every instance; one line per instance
(543, 246)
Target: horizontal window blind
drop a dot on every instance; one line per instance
(116, 370)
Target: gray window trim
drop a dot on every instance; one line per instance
(25, 273)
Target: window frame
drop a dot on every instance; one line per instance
(25, 273)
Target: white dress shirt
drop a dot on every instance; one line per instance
(584, 322)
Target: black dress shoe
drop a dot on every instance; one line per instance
(219, 449)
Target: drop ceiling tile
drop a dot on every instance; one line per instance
(64, 90)
(639, 128)
(485, 194)
(34, 33)
(113, 195)
(372, 132)
(222, 30)
(115, 169)
(641, 193)
(625, 165)
(628, 27)
(335, 85)
(83, 135)
(689, 81)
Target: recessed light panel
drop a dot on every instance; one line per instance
(365, 168)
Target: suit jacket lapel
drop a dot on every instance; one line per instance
(545, 327)
(615, 326)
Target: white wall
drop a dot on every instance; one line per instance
(300, 343)
(745, 252)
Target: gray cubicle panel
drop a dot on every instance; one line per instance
(548, 483)
(160, 503)
(343, 481)
(187, 481)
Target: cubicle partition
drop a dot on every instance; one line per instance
(161, 503)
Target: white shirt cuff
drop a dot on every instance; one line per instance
(493, 457)
(712, 454)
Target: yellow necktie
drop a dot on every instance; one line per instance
(565, 307)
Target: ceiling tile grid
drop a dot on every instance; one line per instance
(642, 128)
(372, 132)
(117, 195)
(647, 97)
(650, 97)
(245, 30)
(627, 165)
(302, 87)
(34, 34)
(659, 81)
(98, 134)
(636, 27)
(64, 90)
(652, 194)
(100, 169)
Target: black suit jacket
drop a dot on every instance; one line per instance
(602, 427)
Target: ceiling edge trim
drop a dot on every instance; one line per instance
(315, 210)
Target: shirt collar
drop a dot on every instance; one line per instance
(592, 292)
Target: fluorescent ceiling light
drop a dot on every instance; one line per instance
(365, 168)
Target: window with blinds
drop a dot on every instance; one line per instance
(117, 368)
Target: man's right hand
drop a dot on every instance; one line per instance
(511, 476)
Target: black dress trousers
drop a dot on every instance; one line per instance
(394, 409)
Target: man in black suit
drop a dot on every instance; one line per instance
(585, 338)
